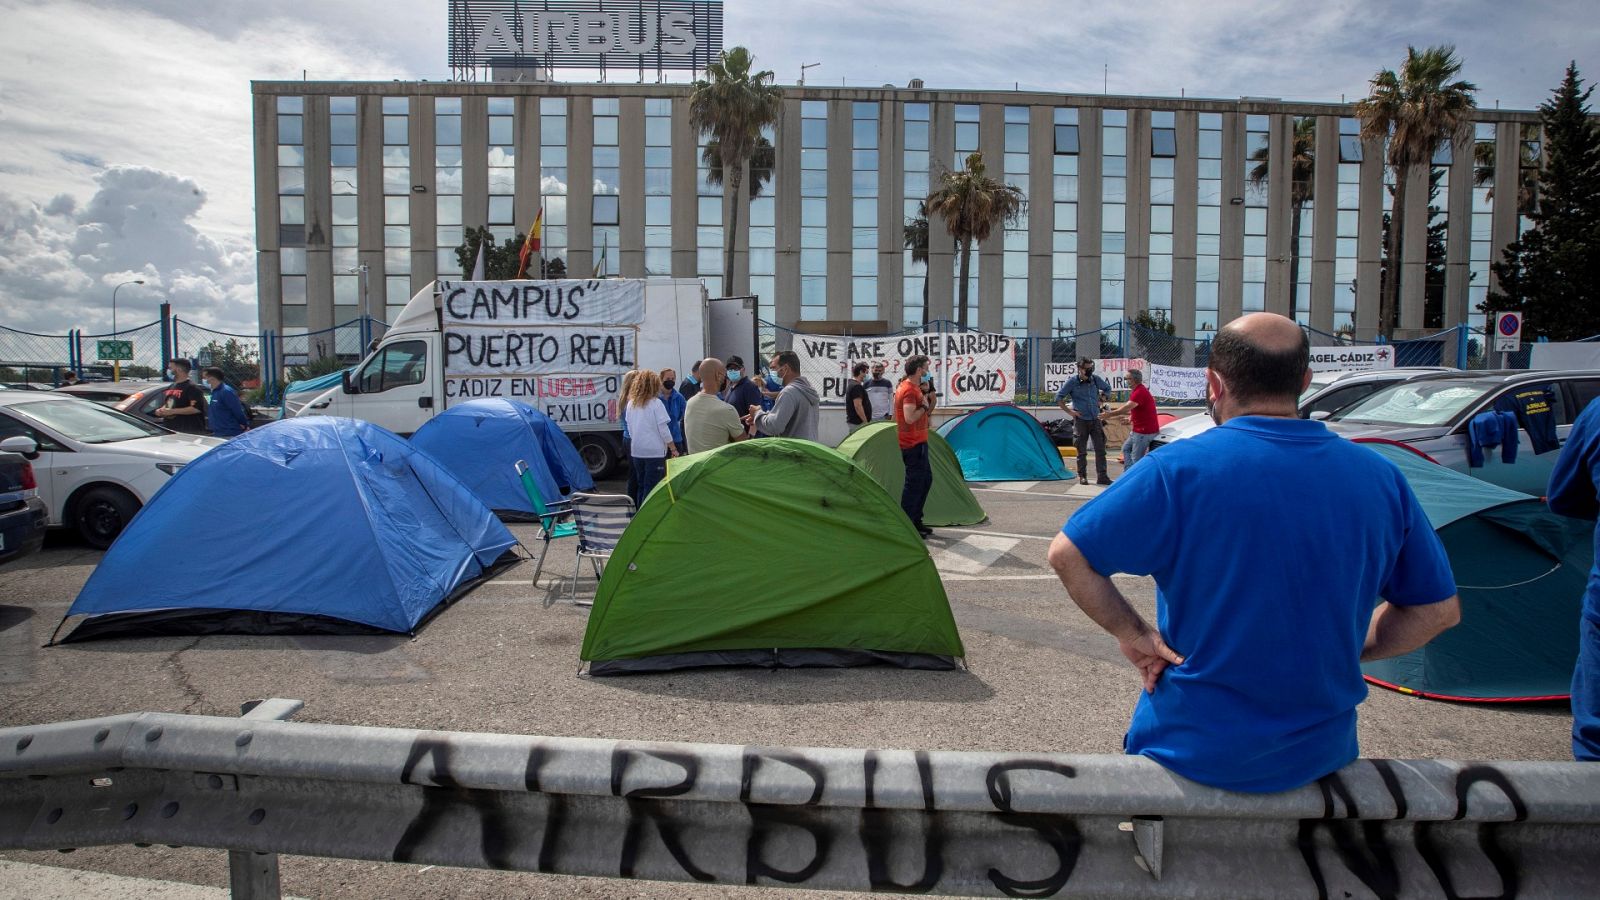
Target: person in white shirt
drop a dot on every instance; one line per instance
(649, 430)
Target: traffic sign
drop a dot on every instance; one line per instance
(109, 351)
(1508, 332)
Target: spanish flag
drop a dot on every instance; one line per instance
(531, 245)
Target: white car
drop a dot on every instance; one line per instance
(95, 466)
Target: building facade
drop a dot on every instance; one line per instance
(1195, 210)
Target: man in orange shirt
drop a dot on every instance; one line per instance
(911, 410)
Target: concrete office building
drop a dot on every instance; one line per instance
(1135, 203)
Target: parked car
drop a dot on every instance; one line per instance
(142, 398)
(96, 466)
(1431, 414)
(1327, 393)
(22, 513)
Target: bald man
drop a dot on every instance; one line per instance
(709, 423)
(1270, 538)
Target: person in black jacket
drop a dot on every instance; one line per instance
(691, 382)
(742, 392)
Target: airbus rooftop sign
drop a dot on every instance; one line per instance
(585, 34)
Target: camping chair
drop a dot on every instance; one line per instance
(601, 519)
(550, 525)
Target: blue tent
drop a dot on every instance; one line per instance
(1003, 443)
(480, 442)
(310, 525)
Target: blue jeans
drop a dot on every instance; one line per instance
(1586, 694)
(1135, 447)
(647, 473)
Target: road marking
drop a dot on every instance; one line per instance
(1012, 486)
(1030, 495)
(1006, 534)
(973, 554)
(1039, 577)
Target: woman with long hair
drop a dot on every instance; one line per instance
(649, 428)
(627, 440)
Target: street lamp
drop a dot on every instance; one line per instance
(116, 364)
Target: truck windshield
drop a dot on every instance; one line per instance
(397, 365)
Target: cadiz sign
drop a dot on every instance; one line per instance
(663, 34)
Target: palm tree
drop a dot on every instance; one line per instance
(1415, 110)
(972, 204)
(915, 236)
(1302, 188)
(762, 161)
(731, 106)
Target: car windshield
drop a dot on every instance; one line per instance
(1318, 382)
(1416, 403)
(87, 423)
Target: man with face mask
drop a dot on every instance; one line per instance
(794, 413)
(691, 382)
(913, 403)
(183, 406)
(1086, 392)
(742, 391)
(224, 414)
(676, 403)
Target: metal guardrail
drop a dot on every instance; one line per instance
(999, 824)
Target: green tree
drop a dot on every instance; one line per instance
(1550, 274)
(915, 237)
(500, 260)
(762, 161)
(731, 106)
(240, 363)
(1415, 110)
(1155, 321)
(1302, 188)
(972, 205)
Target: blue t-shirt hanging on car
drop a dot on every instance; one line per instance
(1535, 407)
(1271, 541)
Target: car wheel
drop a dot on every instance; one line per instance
(101, 514)
(600, 456)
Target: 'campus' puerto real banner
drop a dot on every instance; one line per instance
(1351, 359)
(560, 346)
(968, 367)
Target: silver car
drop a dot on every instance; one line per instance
(1431, 414)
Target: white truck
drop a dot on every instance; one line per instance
(560, 346)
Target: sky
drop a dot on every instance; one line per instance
(125, 146)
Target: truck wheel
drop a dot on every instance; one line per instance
(600, 456)
(101, 514)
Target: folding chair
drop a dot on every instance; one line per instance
(601, 520)
(550, 515)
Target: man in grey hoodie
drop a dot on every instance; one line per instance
(794, 413)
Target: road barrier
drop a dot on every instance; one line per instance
(994, 824)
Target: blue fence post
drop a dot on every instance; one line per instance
(1461, 346)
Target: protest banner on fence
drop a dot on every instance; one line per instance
(967, 367)
(1351, 359)
(560, 346)
(1178, 383)
(1114, 371)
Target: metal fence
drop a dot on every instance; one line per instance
(991, 824)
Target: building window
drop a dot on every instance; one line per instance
(447, 185)
(396, 206)
(1014, 241)
(1258, 160)
(1162, 188)
(1483, 160)
(553, 185)
(1302, 208)
(1208, 223)
(292, 188)
(1113, 214)
(1064, 236)
(763, 226)
(813, 208)
(658, 187)
(1347, 224)
(502, 163)
(864, 211)
(914, 286)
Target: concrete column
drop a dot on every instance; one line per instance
(1458, 236)
(630, 134)
(1185, 224)
(1324, 219)
(786, 267)
(526, 198)
(985, 309)
(839, 210)
(319, 216)
(475, 163)
(1136, 284)
(685, 190)
(941, 252)
(1040, 220)
(1414, 250)
(891, 214)
(1503, 219)
(1230, 276)
(269, 285)
(580, 187)
(1280, 212)
(424, 203)
(1369, 241)
(1089, 231)
(369, 202)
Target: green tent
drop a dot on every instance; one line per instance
(1520, 571)
(876, 448)
(774, 553)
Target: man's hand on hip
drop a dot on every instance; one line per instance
(1150, 655)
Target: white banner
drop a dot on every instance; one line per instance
(523, 303)
(569, 399)
(548, 350)
(1178, 383)
(1351, 359)
(1114, 371)
(967, 368)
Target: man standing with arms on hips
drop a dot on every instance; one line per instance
(1086, 392)
(1252, 672)
(1575, 491)
(911, 410)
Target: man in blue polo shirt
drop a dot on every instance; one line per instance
(1271, 539)
(1575, 491)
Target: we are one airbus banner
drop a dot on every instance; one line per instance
(968, 368)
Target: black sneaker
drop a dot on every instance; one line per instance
(925, 531)
(1103, 481)
(1082, 480)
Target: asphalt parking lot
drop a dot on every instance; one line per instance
(1041, 678)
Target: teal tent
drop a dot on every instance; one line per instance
(1003, 443)
(1520, 571)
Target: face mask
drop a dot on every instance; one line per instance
(692, 380)
(734, 374)
(668, 382)
(171, 374)
(926, 377)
